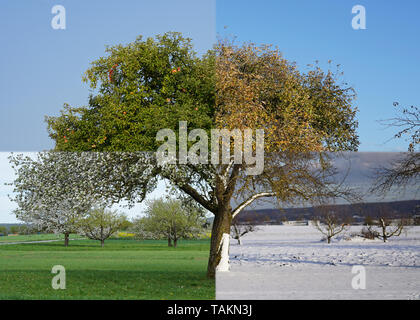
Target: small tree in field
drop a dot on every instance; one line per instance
(387, 225)
(100, 224)
(385, 229)
(3, 231)
(14, 229)
(329, 223)
(171, 220)
(239, 229)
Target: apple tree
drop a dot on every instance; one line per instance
(153, 84)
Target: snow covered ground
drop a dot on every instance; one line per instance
(290, 262)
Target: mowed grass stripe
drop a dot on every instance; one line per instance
(35, 237)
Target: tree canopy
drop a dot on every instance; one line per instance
(139, 89)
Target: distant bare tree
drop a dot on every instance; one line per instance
(329, 222)
(239, 229)
(400, 173)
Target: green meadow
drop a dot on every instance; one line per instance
(123, 269)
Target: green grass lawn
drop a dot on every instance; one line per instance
(123, 269)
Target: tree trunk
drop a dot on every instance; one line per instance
(175, 237)
(169, 242)
(383, 225)
(102, 243)
(237, 234)
(66, 239)
(219, 239)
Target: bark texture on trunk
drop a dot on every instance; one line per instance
(66, 239)
(102, 243)
(221, 225)
(169, 242)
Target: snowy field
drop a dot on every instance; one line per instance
(290, 262)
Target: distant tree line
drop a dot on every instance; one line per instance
(17, 229)
(362, 211)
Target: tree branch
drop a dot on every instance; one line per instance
(247, 202)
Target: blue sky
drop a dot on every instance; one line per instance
(382, 62)
(41, 68)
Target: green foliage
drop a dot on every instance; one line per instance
(14, 229)
(3, 230)
(170, 219)
(100, 224)
(139, 89)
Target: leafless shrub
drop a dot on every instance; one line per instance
(240, 229)
(369, 233)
